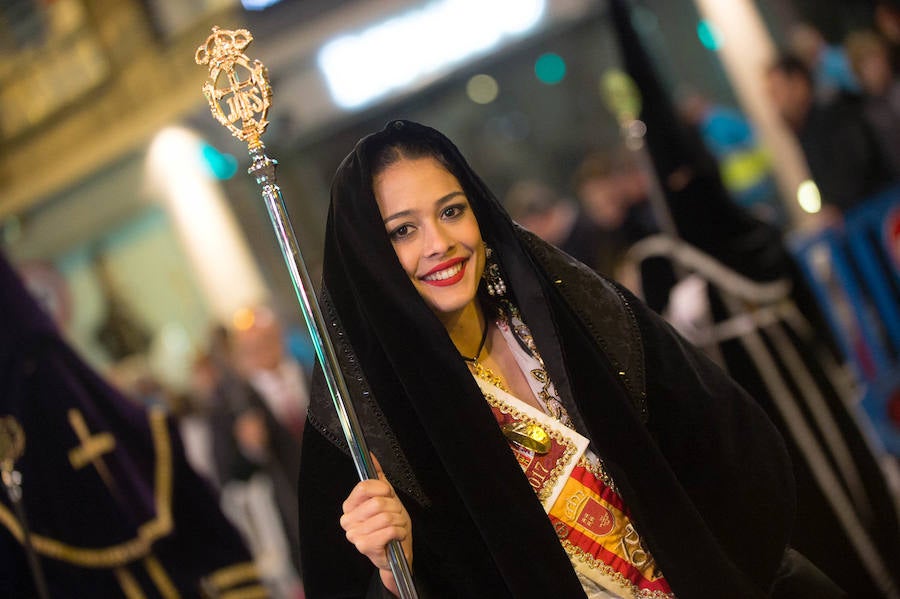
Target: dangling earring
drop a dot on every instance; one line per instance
(494, 283)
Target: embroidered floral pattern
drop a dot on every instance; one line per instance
(510, 318)
(598, 534)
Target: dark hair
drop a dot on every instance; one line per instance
(409, 149)
(792, 66)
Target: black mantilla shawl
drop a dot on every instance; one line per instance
(701, 468)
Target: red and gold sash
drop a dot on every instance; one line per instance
(593, 523)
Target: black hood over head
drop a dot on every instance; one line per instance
(479, 529)
(386, 323)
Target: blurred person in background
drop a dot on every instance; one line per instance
(256, 455)
(744, 165)
(886, 21)
(193, 411)
(844, 154)
(827, 63)
(261, 356)
(870, 60)
(554, 218)
(846, 521)
(612, 190)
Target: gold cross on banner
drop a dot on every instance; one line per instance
(91, 449)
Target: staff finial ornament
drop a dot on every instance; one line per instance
(238, 89)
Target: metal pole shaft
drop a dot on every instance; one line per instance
(263, 168)
(14, 492)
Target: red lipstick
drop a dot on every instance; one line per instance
(444, 266)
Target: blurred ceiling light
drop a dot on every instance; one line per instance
(482, 89)
(808, 197)
(362, 67)
(258, 4)
(179, 175)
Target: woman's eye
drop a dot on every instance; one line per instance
(453, 211)
(401, 232)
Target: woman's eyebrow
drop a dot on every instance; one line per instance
(401, 214)
(440, 201)
(448, 197)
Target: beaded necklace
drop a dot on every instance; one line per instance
(480, 370)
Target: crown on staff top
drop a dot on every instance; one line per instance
(222, 44)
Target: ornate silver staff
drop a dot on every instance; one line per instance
(239, 96)
(12, 446)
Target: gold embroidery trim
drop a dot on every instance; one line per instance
(608, 571)
(130, 587)
(486, 374)
(148, 533)
(233, 575)
(571, 450)
(91, 449)
(596, 468)
(254, 592)
(160, 578)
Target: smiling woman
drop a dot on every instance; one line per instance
(540, 432)
(434, 232)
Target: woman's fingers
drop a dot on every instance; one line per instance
(368, 499)
(373, 517)
(378, 470)
(365, 490)
(375, 524)
(373, 545)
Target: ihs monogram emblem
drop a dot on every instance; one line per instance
(238, 89)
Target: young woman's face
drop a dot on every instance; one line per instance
(434, 232)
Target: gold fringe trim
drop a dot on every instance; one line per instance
(254, 592)
(610, 576)
(233, 575)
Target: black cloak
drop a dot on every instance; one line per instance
(111, 503)
(703, 471)
(846, 519)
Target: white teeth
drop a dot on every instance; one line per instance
(444, 274)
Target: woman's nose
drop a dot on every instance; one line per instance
(437, 240)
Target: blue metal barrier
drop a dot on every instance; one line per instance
(855, 275)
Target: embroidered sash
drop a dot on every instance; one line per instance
(590, 518)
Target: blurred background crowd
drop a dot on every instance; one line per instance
(126, 210)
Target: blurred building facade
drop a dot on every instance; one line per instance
(86, 87)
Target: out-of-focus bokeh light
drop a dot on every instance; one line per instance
(808, 197)
(243, 319)
(482, 89)
(620, 95)
(634, 132)
(399, 52)
(221, 166)
(258, 4)
(709, 35)
(550, 68)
